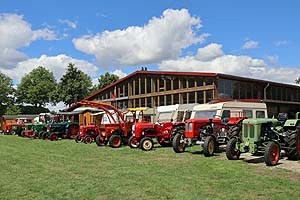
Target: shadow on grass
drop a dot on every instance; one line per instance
(256, 160)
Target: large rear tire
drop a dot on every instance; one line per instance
(272, 153)
(115, 141)
(146, 144)
(133, 142)
(293, 144)
(232, 153)
(100, 140)
(234, 131)
(178, 143)
(209, 146)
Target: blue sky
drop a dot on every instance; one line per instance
(257, 39)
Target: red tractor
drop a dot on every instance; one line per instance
(114, 133)
(210, 133)
(172, 117)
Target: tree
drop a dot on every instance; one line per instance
(6, 92)
(297, 80)
(74, 85)
(106, 79)
(37, 87)
(13, 110)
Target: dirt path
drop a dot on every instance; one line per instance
(283, 163)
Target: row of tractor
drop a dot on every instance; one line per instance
(45, 126)
(239, 126)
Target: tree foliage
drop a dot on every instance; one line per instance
(37, 87)
(106, 79)
(6, 92)
(297, 80)
(6, 89)
(74, 85)
(13, 110)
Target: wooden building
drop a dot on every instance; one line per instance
(157, 88)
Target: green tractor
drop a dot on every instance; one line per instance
(35, 130)
(267, 136)
(62, 130)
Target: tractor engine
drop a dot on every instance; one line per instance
(267, 132)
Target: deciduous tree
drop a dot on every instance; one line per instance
(74, 85)
(37, 87)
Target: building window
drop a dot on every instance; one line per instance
(149, 85)
(176, 84)
(199, 82)
(142, 85)
(200, 99)
(176, 99)
(209, 96)
(142, 100)
(149, 103)
(191, 97)
(161, 101)
(168, 99)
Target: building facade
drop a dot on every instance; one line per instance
(159, 88)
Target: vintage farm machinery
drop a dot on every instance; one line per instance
(212, 125)
(169, 119)
(114, 133)
(269, 137)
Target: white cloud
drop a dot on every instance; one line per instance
(272, 59)
(57, 64)
(209, 52)
(160, 39)
(69, 23)
(280, 43)
(16, 33)
(250, 44)
(119, 73)
(230, 64)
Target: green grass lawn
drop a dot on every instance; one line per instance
(38, 169)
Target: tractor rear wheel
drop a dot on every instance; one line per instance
(146, 144)
(234, 131)
(178, 143)
(272, 153)
(293, 144)
(232, 153)
(133, 142)
(88, 139)
(115, 141)
(100, 140)
(209, 146)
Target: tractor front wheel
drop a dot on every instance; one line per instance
(100, 140)
(88, 139)
(209, 146)
(272, 153)
(77, 138)
(147, 144)
(178, 143)
(232, 153)
(115, 141)
(133, 142)
(293, 143)
(53, 137)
